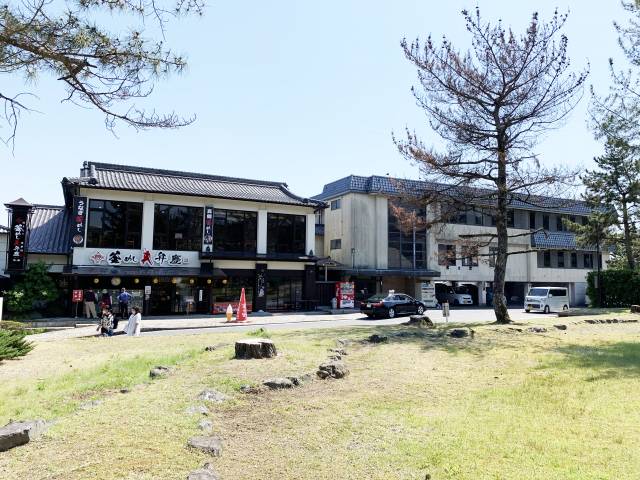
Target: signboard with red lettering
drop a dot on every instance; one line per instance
(16, 258)
(78, 221)
(207, 239)
(77, 296)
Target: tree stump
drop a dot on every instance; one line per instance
(258, 348)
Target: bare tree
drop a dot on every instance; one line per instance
(490, 105)
(98, 68)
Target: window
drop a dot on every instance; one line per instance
(114, 224)
(510, 218)
(545, 222)
(469, 256)
(560, 223)
(546, 259)
(588, 260)
(493, 252)
(574, 260)
(320, 217)
(476, 215)
(336, 244)
(532, 220)
(286, 233)
(336, 204)
(560, 259)
(407, 245)
(447, 255)
(558, 292)
(235, 231)
(177, 227)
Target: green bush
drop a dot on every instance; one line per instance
(33, 292)
(620, 288)
(13, 344)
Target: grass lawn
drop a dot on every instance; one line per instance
(506, 404)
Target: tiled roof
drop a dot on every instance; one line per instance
(122, 177)
(50, 230)
(556, 240)
(396, 186)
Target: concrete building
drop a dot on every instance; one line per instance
(366, 245)
(179, 242)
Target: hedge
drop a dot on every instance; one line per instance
(620, 288)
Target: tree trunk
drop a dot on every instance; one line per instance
(627, 235)
(499, 272)
(258, 348)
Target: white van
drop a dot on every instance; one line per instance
(546, 299)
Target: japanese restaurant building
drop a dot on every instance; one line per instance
(179, 242)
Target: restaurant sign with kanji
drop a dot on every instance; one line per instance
(146, 258)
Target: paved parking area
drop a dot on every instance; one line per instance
(182, 325)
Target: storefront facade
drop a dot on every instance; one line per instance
(185, 243)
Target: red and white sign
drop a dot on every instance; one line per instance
(345, 294)
(221, 307)
(77, 296)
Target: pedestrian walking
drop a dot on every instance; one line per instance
(123, 302)
(105, 326)
(90, 304)
(135, 323)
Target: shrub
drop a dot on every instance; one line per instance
(34, 291)
(620, 288)
(13, 344)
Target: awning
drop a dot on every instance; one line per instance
(145, 271)
(392, 272)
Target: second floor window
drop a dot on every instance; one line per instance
(114, 224)
(545, 222)
(336, 244)
(235, 231)
(469, 256)
(336, 204)
(177, 227)
(286, 233)
(447, 255)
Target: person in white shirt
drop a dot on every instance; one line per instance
(135, 323)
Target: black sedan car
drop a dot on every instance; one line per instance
(391, 306)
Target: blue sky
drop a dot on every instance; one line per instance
(295, 91)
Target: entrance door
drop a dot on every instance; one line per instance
(161, 299)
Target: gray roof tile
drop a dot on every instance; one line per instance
(122, 177)
(50, 230)
(395, 186)
(556, 240)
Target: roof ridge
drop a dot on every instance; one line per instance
(51, 207)
(179, 174)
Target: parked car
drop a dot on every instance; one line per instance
(391, 306)
(453, 295)
(546, 299)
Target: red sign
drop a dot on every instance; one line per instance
(77, 296)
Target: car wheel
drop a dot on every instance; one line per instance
(420, 310)
(527, 311)
(391, 313)
(546, 309)
(565, 308)
(369, 315)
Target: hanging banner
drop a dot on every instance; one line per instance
(79, 221)
(207, 239)
(16, 260)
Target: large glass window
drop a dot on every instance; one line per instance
(235, 231)
(286, 233)
(177, 228)
(406, 243)
(114, 224)
(469, 256)
(283, 292)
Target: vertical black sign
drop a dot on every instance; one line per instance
(207, 239)
(79, 221)
(17, 239)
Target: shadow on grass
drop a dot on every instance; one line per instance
(614, 360)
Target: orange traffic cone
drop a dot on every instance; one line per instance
(241, 316)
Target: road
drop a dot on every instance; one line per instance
(298, 321)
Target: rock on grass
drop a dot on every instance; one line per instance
(15, 434)
(210, 445)
(205, 473)
(159, 371)
(333, 369)
(212, 396)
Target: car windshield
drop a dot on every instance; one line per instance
(461, 290)
(538, 292)
(376, 298)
